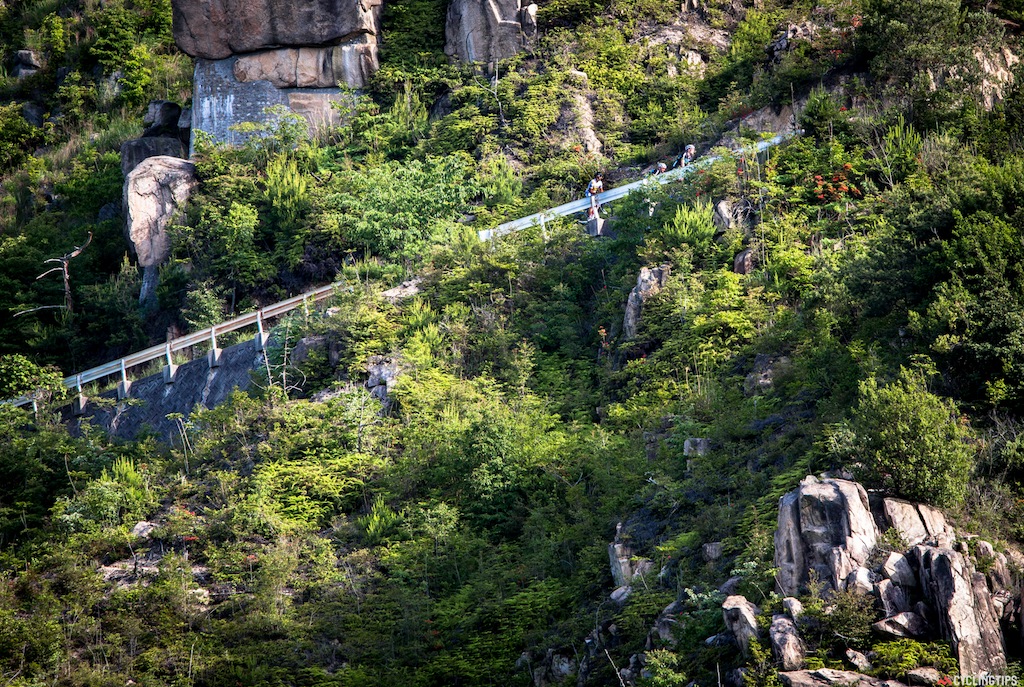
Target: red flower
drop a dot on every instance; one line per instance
(843, 108)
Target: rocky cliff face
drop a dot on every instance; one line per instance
(831, 528)
(252, 56)
(487, 31)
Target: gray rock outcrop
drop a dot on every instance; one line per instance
(743, 263)
(740, 618)
(154, 192)
(26, 63)
(905, 624)
(786, 644)
(382, 374)
(216, 29)
(649, 283)
(825, 526)
(766, 368)
(966, 615)
(829, 526)
(161, 118)
(725, 215)
(826, 677)
(696, 446)
(352, 65)
(488, 31)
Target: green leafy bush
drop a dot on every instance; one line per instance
(911, 442)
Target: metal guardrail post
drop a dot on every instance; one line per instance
(170, 368)
(124, 385)
(261, 336)
(213, 357)
(78, 405)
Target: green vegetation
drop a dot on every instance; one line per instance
(309, 533)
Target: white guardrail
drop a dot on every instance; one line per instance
(583, 204)
(164, 351)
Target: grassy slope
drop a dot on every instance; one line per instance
(321, 543)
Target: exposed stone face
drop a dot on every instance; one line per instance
(161, 118)
(743, 263)
(350, 65)
(696, 446)
(650, 282)
(824, 525)
(383, 373)
(786, 644)
(897, 568)
(255, 54)
(479, 31)
(725, 215)
(741, 618)
(216, 29)
(966, 614)
(26, 63)
(893, 598)
(793, 607)
(906, 624)
(824, 677)
(154, 192)
(906, 520)
(221, 101)
(766, 368)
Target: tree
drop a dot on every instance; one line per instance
(911, 442)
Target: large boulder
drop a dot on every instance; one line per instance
(905, 624)
(966, 614)
(786, 644)
(825, 526)
(649, 283)
(161, 118)
(26, 63)
(479, 31)
(255, 58)
(216, 29)
(740, 617)
(154, 192)
(826, 677)
(222, 100)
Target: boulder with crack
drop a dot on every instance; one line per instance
(649, 282)
(154, 193)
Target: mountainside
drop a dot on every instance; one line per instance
(766, 429)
